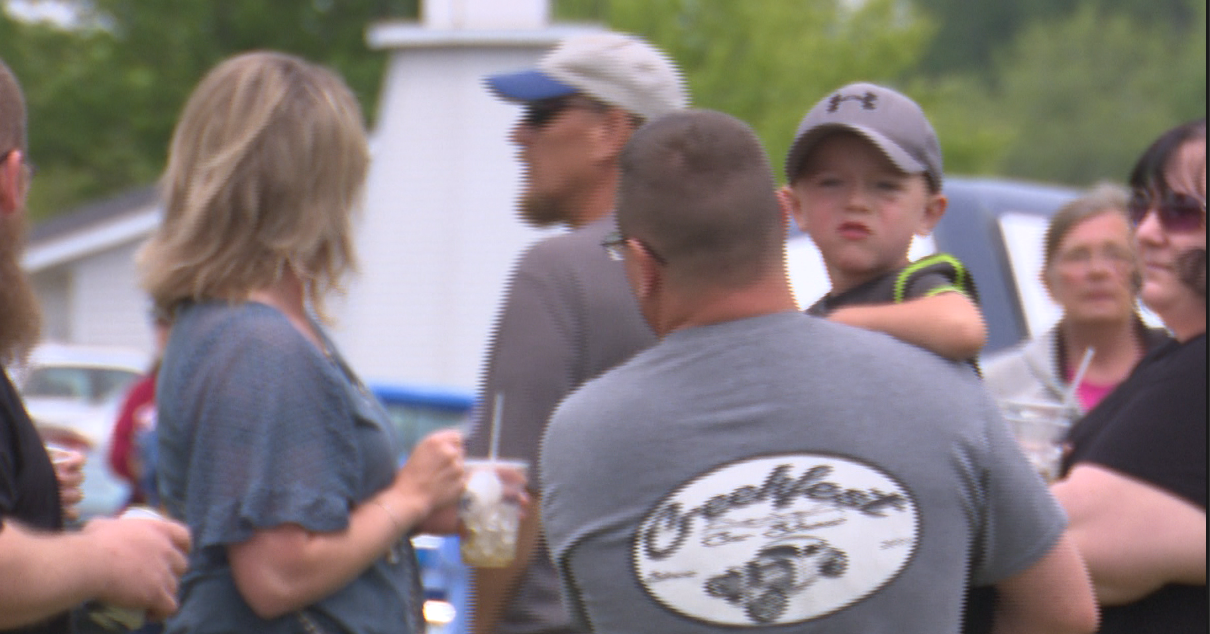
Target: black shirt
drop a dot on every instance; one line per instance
(29, 492)
(1153, 428)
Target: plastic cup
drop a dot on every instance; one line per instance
(60, 455)
(490, 512)
(1040, 429)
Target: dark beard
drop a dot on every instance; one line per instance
(540, 211)
(20, 317)
(1191, 267)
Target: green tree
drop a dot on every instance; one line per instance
(970, 33)
(1084, 95)
(103, 100)
(768, 62)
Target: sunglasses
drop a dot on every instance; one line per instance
(1178, 213)
(540, 113)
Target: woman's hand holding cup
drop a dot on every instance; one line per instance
(434, 473)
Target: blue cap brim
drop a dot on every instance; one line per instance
(527, 85)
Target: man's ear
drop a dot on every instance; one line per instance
(646, 274)
(10, 183)
(934, 209)
(791, 207)
(615, 129)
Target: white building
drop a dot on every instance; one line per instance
(438, 233)
(82, 267)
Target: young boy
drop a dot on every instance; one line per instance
(864, 176)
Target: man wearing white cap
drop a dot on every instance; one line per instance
(568, 315)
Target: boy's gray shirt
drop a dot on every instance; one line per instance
(790, 473)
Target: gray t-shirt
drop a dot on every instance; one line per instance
(787, 473)
(258, 428)
(569, 316)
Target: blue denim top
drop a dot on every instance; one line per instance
(258, 428)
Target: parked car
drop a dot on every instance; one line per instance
(417, 411)
(995, 227)
(73, 394)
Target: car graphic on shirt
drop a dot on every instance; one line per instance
(780, 570)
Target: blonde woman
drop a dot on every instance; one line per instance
(270, 447)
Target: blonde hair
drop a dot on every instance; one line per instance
(266, 166)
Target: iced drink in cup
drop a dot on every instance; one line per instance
(490, 512)
(1040, 429)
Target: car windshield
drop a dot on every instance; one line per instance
(85, 384)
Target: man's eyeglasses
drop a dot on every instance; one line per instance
(1179, 213)
(29, 166)
(615, 243)
(540, 113)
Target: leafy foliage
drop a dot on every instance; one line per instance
(768, 62)
(1056, 90)
(1064, 91)
(103, 100)
(1090, 92)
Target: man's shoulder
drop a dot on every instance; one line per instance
(876, 343)
(573, 245)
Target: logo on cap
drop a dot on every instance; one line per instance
(868, 100)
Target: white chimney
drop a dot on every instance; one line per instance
(485, 14)
(440, 230)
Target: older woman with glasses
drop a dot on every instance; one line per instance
(1090, 270)
(1134, 483)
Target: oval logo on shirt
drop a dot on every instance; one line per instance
(776, 540)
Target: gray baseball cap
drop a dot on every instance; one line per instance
(614, 68)
(887, 118)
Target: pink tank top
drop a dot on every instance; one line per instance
(1090, 394)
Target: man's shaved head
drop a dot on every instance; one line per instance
(698, 190)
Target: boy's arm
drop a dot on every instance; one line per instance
(948, 324)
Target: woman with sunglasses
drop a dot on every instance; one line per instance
(1134, 484)
(1090, 269)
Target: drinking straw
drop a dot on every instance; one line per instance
(1070, 399)
(497, 406)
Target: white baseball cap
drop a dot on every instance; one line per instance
(613, 68)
